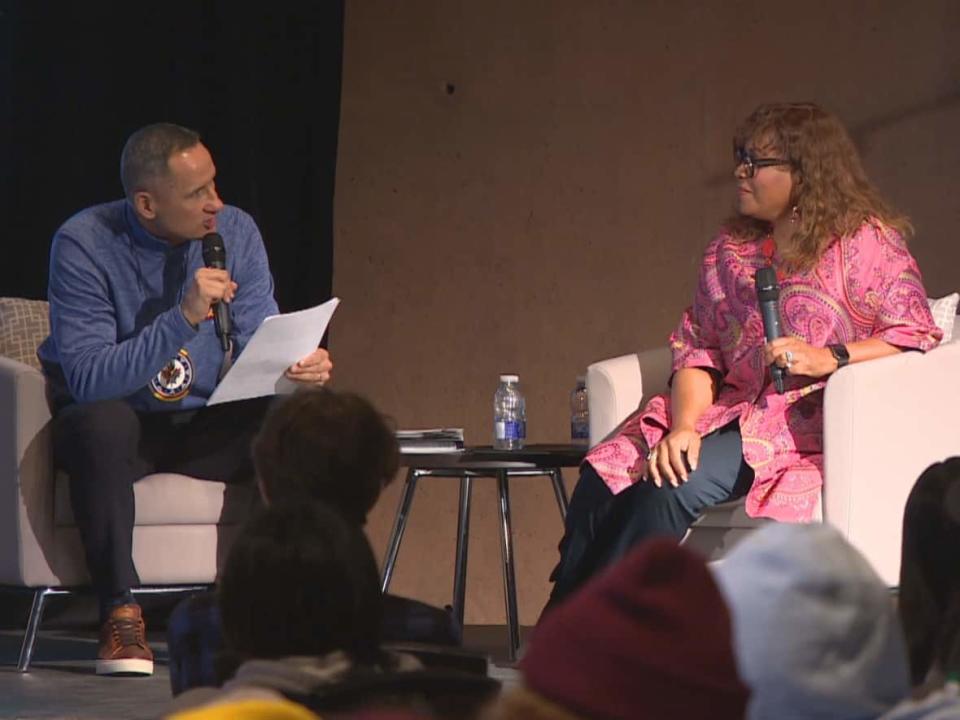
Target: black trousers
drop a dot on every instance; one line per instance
(107, 446)
(602, 527)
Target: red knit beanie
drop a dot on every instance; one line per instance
(649, 638)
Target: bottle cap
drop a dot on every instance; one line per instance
(509, 378)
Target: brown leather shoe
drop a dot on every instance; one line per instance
(123, 644)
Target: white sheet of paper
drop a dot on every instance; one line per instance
(279, 342)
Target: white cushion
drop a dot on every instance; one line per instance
(944, 311)
(171, 499)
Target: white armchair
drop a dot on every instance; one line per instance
(885, 422)
(183, 525)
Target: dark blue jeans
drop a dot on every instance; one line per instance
(602, 527)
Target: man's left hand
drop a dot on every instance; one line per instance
(314, 369)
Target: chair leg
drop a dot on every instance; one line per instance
(463, 538)
(509, 577)
(39, 603)
(33, 626)
(399, 525)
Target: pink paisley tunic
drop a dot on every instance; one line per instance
(865, 285)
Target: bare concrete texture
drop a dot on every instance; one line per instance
(62, 682)
(527, 186)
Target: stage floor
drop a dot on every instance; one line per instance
(62, 684)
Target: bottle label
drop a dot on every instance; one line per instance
(579, 430)
(510, 430)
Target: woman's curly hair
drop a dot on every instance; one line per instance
(831, 196)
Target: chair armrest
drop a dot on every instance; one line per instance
(886, 421)
(26, 470)
(616, 386)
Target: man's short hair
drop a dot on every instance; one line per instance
(146, 154)
(329, 446)
(300, 580)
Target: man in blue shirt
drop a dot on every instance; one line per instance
(133, 356)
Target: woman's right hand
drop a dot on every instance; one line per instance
(674, 457)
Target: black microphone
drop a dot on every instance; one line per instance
(768, 293)
(215, 256)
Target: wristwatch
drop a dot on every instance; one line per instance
(840, 353)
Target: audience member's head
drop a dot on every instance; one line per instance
(929, 599)
(329, 446)
(649, 638)
(300, 580)
(815, 628)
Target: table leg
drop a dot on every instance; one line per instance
(463, 538)
(399, 525)
(560, 491)
(509, 578)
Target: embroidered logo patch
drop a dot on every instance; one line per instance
(174, 381)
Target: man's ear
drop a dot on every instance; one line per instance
(144, 205)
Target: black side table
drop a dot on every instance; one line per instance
(482, 461)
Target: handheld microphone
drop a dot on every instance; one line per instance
(215, 256)
(768, 293)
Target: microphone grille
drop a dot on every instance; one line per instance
(213, 249)
(767, 287)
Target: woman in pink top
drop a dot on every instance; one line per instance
(850, 291)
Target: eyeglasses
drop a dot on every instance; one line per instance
(750, 164)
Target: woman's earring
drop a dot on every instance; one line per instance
(794, 214)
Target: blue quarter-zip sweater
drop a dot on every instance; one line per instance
(115, 318)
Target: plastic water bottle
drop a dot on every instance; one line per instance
(579, 413)
(509, 415)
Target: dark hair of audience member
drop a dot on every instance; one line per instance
(331, 446)
(929, 596)
(300, 580)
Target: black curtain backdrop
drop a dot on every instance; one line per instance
(259, 81)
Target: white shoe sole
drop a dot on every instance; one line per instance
(128, 666)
